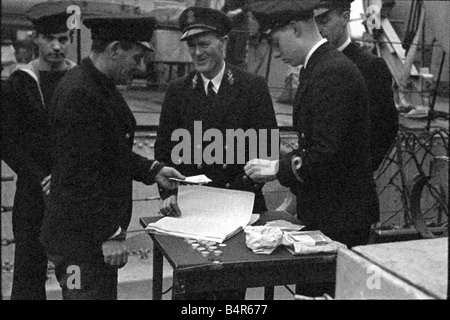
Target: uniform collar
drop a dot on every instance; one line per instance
(217, 80)
(345, 44)
(313, 49)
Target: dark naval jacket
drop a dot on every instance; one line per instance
(243, 102)
(383, 112)
(91, 192)
(25, 128)
(330, 172)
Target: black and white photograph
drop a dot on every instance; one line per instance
(239, 156)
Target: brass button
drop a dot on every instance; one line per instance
(127, 136)
(245, 178)
(224, 166)
(303, 136)
(199, 166)
(228, 186)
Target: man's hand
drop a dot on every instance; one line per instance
(169, 207)
(115, 253)
(45, 184)
(261, 170)
(162, 178)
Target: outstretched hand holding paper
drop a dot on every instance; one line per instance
(200, 179)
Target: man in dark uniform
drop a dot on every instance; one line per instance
(239, 100)
(219, 96)
(330, 172)
(26, 143)
(92, 128)
(332, 17)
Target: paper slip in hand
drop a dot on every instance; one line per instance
(200, 179)
(267, 167)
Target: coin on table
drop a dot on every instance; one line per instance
(222, 244)
(218, 252)
(214, 259)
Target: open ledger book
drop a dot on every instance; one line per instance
(207, 213)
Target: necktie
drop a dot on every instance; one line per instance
(211, 93)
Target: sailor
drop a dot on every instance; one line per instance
(216, 95)
(94, 166)
(26, 145)
(332, 18)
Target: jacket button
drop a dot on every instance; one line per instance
(199, 166)
(228, 186)
(303, 136)
(256, 186)
(127, 136)
(224, 166)
(245, 178)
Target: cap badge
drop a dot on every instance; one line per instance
(191, 17)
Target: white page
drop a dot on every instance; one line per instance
(208, 213)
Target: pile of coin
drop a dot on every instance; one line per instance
(208, 249)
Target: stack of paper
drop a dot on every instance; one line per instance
(207, 213)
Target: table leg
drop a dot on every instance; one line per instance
(179, 286)
(157, 273)
(269, 293)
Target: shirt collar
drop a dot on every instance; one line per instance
(217, 80)
(317, 45)
(345, 44)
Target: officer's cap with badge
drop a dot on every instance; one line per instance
(273, 15)
(49, 17)
(327, 5)
(137, 29)
(197, 20)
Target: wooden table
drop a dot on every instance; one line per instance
(238, 267)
